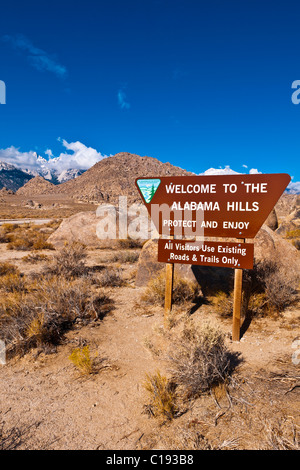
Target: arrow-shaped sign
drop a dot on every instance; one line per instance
(233, 206)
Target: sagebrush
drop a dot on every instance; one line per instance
(183, 290)
(199, 360)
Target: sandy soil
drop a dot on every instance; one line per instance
(54, 206)
(51, 406)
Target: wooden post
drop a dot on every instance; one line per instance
(237, 302)
(169, 287)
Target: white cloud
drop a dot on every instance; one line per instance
(228, 171)
(78, 156)
(81, 158)
(19, 159)
(49, 153)
(220, 171)
(122, 100)
(294, 187)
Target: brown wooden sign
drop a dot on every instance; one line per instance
(227, 206)
(232, 206)
(206, 253)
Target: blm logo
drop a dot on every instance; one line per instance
(2, 92)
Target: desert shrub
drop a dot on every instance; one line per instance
(162, 395)
(10, 438)
(280, 291)
(271, 286)
(281, 435)
(296, 244)
(258, 304)
(69, 262)
(12, 282)
(43, 316)
(199, 360)
(53, 224)
(183, 290)
(6, 232)
(190, 437)
(223, 303)
(111, 278)
(130, 243)
(27, 239)
(8, 227)
(5, 237)
(35, 258)
(125, 257)
(277, 281)
(82, 360)
(293, 233)
(7, 268)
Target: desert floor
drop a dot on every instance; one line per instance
(47, 404)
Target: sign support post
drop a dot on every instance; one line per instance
(237, 304)
(169, 286)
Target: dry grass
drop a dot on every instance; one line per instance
(10, 439)
(124, 257)
(199, 360)
(190, 438)
(223, 303)
(69, 262)
(130, 243)
(35, 258)
(277, 281)
(268, 289)
(82, 360)
(8, 268)
(162, 395)
(27, 238)
(183, 290)
(51, 307)
(281, 435)
(293, 233)
(111, 277)
(13, 282)
(6, 232)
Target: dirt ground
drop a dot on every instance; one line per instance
(45, 206)
(47, 404)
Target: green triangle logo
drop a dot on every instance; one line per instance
(148, 188)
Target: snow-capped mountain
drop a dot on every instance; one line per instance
(67, 175)
(11, 177)
(48, 170)
(219, 171)
(6, 166)
(293, 188)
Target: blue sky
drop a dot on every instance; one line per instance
(197, 83)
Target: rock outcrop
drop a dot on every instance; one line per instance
(35, 186)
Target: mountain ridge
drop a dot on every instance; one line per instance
(105, 181)
(11, 177)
